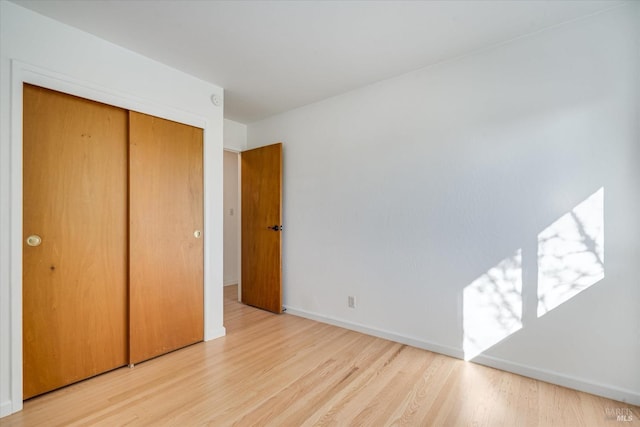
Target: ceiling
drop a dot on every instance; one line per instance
(273, 56)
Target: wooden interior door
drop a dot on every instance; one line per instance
(166, 243)
(261, 174)
(75, 199)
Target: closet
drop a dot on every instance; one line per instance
(113, 247)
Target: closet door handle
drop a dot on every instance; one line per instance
(197, 234)
(34, 240)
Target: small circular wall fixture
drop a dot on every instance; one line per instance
(215, 100)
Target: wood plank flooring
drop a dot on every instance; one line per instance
(283, 370)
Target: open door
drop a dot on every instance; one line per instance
(261, 172)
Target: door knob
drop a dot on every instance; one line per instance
(197, 234)
(275, 228)
(34, 240)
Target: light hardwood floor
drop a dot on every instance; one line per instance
(283, 370)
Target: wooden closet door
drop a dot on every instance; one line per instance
(75, 199)
(166, 242)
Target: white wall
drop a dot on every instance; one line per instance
(46, 53)
(235, 135)
(231, 218)
(408, 192)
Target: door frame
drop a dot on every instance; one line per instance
(26, 73)
(239, 152)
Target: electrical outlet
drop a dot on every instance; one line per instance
(351, 301)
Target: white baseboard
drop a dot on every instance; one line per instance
(6, 408)
(391, 336)
(216, 333)
(604, 390)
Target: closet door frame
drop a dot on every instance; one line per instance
(26, 73)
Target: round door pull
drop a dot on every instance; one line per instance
(34, 240)
(197, 234)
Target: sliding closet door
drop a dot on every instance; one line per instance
(166, 236)
(74, 239)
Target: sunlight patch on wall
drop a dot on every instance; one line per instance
(571, 253)
(492, 306)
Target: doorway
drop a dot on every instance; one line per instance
(231, 206)
(253, 225)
